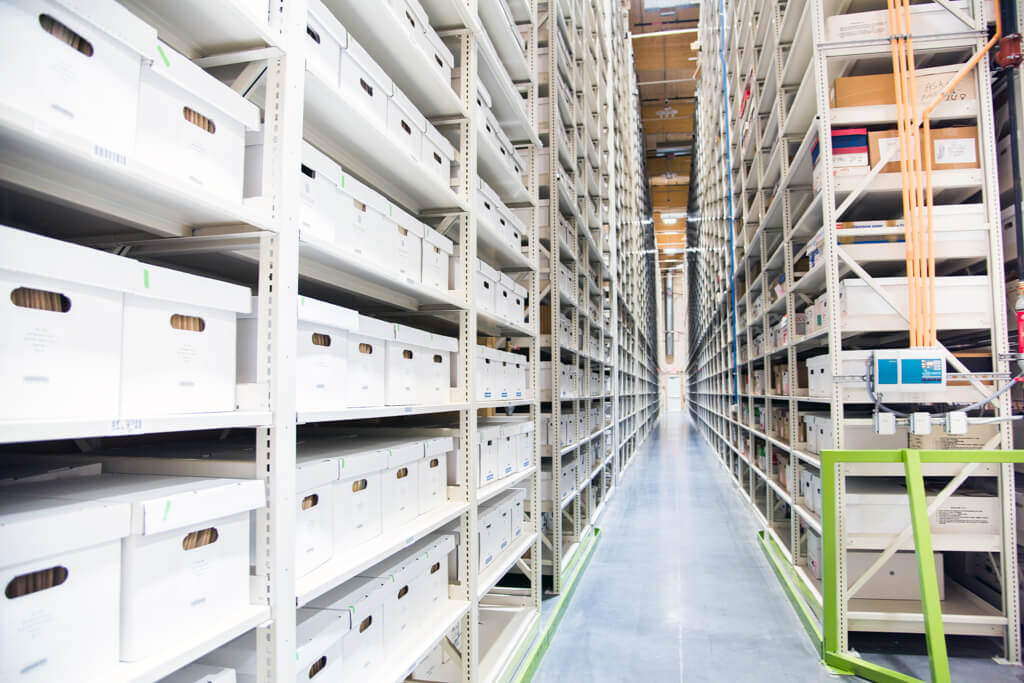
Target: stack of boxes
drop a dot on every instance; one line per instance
(501, 523)
(849, 155)
(500, 374)
(102, 542)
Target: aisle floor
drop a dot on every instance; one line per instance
(679, 590)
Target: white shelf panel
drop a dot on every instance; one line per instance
(485, 493)
(398, 667)
(493, 249)
(495, 325)
(380, 32)
(342, 568)
(503, 632)
(348, 134)
(50, 429)
(500, 176)
(203, 641)
(505, 41)
(376, 412)
(504, 562)
(503, 403)
(199, 28)
(66, 170)
(963, 613)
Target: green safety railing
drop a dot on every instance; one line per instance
(828, 638)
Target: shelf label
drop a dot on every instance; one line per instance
(126, 426)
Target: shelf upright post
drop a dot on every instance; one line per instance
(987, 131)
(277, 315)
(536, 550)
(466, 281)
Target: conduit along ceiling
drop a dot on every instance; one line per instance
(663, 32)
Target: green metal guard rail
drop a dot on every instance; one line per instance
(828, 639)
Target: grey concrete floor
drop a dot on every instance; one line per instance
(679, 590)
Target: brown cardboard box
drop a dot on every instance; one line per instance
(880, 89)
(952, 148)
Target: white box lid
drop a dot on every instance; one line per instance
(487, 271)
(323, 313)
(403, 453)
(439, 47)
(438, 445)
(356, 52)
(378, 329)
(488, 432)
(166, 284)
(399, 100)
(118, 22)
(439, 140)
(180, 70)
(24, 252)
(358, 597)
(405, 220)
(422, 338)
(316, 632)
(161, 503)
(33, 527)
(201, 673)
(438, 240)
(397, 569)
(325, 17)
(363, 193)
(319, 163)
(505, 281)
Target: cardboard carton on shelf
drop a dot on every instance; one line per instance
(880, 89)
(952, 148)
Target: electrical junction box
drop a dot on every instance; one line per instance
(908, 370)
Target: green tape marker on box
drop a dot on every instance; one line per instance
(145, 278)
(167, 509)
(160, 49)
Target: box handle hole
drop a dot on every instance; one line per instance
(365, 348)
(320, 664)
(198, 120)
(365, 624)
(197, 539)
(407, 354)
(25, 297)
(189, 323)
(367, 87)
(402, 473)
(65, 34)
(33, 582)
(310, 501)
(359, 485)
(313, 34)
(320, 339)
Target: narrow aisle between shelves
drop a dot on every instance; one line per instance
(677, 590)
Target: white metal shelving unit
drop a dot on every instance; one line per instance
(766, 73)
(54, 186)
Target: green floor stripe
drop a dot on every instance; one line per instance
(536, 654)
(782, 570)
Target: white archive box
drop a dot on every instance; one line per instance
(487, 380)
(185, 562)
(878, 508)
(403, 245)
(487, 535)
(320, 637)
(502, 521)
(926, 19)
(489, 437)
(433, 474)
(315, 487)
(61, 568)
(365, 84)
(516, 371)
(367, 362)
(436, 259)
(438, 154)
(406, 125)
(819, 370)
(432, 573)
(322, 379)
(362, 220)
(362, 599)
(962, 302)
(401, 592)
(518, 508)
(192, 126)
(857, 434)
(508, 447)
(358, 505)
(411, 15)
(487, 279)
(60, 348)
(179, 343)
(202, 673)
(325, 40)
(76, 69)
(511, 302)
(401, 500)
(437, 52)
(896, 580)
(419, 367)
